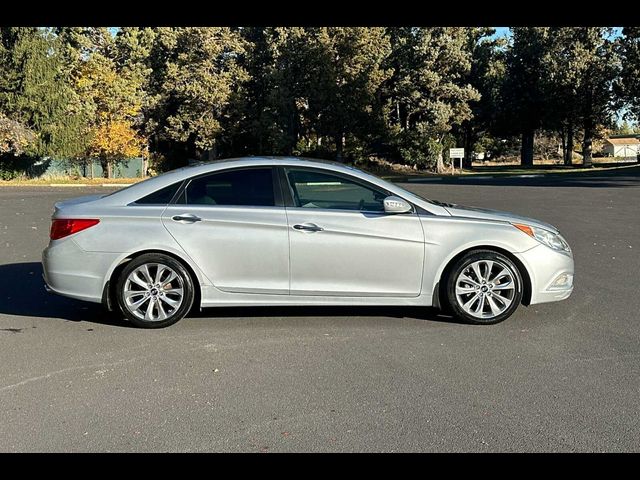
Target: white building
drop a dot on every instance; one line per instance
(627, 147)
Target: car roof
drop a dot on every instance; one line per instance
(138, 190)
(213, 165)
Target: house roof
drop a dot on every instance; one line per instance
(623, 141)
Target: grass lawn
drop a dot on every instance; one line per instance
(507, 170)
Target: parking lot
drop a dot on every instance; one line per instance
(554, 377)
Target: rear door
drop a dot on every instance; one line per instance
(343, 243)
(233, 225)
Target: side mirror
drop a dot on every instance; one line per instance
(394, 204)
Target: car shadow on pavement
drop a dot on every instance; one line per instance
(415, 313)
(22, 293)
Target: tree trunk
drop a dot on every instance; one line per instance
(106, 167)
(339, 138)
(293, 130)
(440, 168)
(526, 151)
(469, 142)
(587, 144)
(568, 154)
(212, 153)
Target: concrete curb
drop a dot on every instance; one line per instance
(68, 185)
(88, 185)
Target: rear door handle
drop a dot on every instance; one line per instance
(308, 227)
(186, 218)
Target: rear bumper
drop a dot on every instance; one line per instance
(545, 267)
(70, 271)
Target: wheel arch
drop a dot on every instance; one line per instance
(108, 292)
(439, 294)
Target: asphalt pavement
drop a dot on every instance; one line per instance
(554, 377)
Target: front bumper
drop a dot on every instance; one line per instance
(546, 267)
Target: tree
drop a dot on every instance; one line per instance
(15, 138)
(560, 79)
(36, 92)
(563, 73)
(600, 67)
(625, 128)
(109, 80)
(429, 92)
(628, 87)
(524, 87)
(195, 73)
(115, 140)
(486, 74)
(312, 87)
(279, 70)
(346, 80)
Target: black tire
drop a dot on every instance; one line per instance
(465, 262)
(185, 281)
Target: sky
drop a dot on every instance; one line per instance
(504, 31)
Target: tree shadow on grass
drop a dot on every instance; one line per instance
(22, 293)
(619, 178)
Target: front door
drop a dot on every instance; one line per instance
(343, 243)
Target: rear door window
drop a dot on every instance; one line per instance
(247, 187)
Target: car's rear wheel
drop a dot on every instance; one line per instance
(154, 291)
(484, 287)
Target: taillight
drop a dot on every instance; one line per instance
(61, 228)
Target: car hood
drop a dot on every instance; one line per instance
(488, 214)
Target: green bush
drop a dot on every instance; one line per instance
(14, 166)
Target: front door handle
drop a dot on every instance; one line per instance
(308, 227)
(186, 218)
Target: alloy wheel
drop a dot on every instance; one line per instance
(153, 292)
(485, 288)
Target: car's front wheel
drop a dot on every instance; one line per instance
(154, 291)
(484, 287)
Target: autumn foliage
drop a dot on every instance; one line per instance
(115, 140)
(403, 94)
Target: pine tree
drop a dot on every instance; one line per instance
(429, 90)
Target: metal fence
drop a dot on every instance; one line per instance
(131, 168)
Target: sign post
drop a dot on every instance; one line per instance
(456, 153)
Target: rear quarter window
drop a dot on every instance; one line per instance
(160, 197)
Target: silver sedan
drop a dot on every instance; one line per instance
(289, 231)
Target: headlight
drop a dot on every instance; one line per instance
(550, 239)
